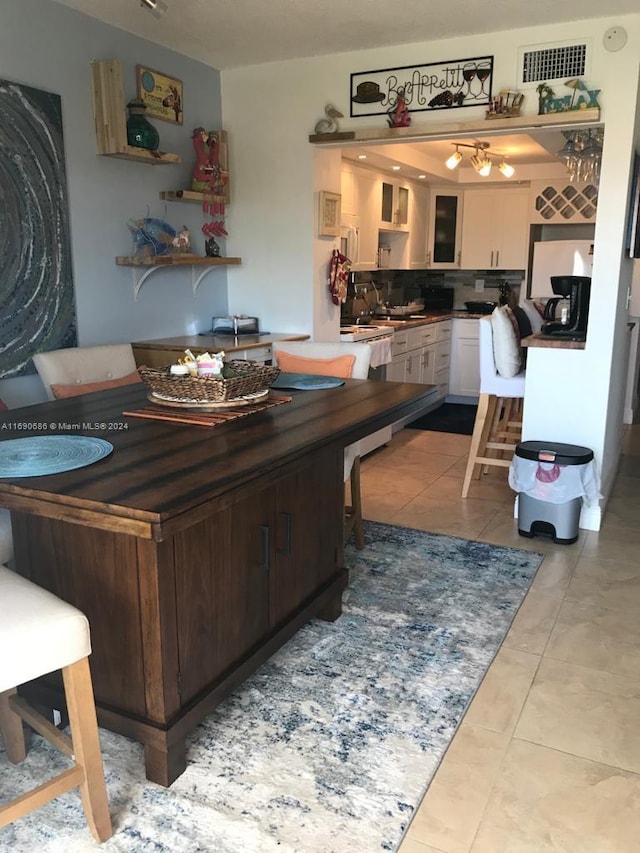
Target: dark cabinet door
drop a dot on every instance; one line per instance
(307, 530)
(222, 592)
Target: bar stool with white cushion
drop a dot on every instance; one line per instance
(39, 634)
(80, 370)
(331, 359)
(496, 428)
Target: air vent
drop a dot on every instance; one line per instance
(553, 62)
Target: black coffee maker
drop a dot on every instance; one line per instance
(572, 305)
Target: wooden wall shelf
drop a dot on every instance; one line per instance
(191, 196)
(149, 265)
(109, 113)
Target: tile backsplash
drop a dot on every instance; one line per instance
(400, 287)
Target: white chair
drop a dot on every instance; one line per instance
(39, 634)
(496, 428)
(6, 537)
(84, 365)
(360, 370)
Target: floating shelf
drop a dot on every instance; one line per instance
(191, 196)
(162, 261)
(109, 113)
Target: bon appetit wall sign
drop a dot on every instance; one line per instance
(436, 85)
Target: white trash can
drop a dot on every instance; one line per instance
(553, 480)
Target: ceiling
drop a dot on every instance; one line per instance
(427, 158)
(233, 33)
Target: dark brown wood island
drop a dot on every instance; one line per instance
(195, 552)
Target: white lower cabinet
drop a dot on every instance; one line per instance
(464, 378)
(422, 354)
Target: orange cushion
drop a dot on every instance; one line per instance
(61, 391)
(341, 365)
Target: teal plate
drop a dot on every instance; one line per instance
(306, 381)
(37, 455)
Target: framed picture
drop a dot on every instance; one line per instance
(329, 214)
(161, 94)
(633, 214)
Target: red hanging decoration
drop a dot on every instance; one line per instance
(339, 269)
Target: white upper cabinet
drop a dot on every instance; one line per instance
(394, 205)
(495, 229)
(359, 217)
(444, 229)
(418, 228)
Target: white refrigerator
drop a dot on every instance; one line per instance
(558, 257)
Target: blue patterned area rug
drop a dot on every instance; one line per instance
(329, 747)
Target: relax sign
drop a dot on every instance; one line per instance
(459, 83)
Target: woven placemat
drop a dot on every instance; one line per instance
(207, 419)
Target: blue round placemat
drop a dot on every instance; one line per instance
(306, 381)
(37, 455)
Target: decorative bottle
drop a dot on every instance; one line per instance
(140, 132)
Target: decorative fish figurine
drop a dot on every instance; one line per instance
(151, 236)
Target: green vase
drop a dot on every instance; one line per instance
(140, 132)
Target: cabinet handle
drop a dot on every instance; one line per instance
(459, 258)
(428, 259)
(498, 257)
(266, 547)
(491, 261)
(286, 517)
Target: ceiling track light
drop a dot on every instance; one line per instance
(480, 161)
(506, 169)
(156, 7)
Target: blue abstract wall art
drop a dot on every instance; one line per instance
(37, 301)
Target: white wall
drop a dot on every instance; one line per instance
(49, 46)
(270, 110)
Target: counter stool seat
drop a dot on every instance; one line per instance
(45, 634)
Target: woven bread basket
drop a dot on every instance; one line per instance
(251, 379)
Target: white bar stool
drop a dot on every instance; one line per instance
(45, 634)
(496, 429)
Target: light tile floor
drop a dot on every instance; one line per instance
(547, 757)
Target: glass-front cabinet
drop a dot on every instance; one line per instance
(394, 206)
(445, 229)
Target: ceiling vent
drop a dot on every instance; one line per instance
(556, 62)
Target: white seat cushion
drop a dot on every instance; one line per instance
(39, 633)
(507, 351)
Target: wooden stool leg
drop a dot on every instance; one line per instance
(11, 729)
(480, 431)
(86, 747)
(356, 504)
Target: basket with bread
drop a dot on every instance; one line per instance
(209, 378)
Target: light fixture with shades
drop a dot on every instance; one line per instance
(506, 169)
(156, 7)
(481, 161)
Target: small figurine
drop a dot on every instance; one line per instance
(211, 248)
(545, 95)
(329, 124)
(398, 114)
(181, 243)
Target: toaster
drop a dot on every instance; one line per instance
(238, 325)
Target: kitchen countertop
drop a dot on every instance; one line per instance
(211, 342)
(543, 342)
(427, 319)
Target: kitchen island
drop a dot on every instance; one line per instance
(163, 351)
(195, 552)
